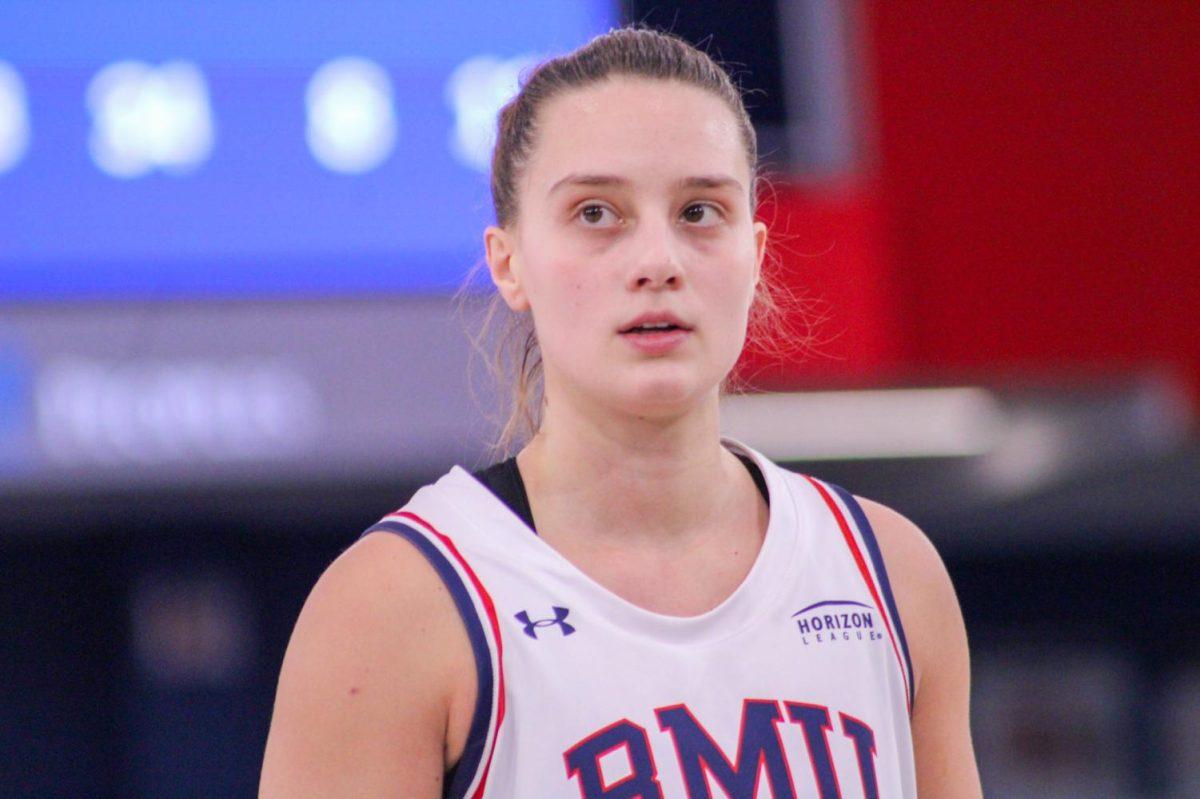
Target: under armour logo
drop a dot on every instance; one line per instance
(560, 616)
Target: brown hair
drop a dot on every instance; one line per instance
(633, 52)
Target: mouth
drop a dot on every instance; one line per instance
(656, 334)
(649, 324)
(645, 329)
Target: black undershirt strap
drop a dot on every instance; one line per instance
(504, 480)
(757, 476)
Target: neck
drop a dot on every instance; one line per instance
(625, 478)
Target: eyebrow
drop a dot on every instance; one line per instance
(693, 181)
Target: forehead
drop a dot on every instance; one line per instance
(643, 130)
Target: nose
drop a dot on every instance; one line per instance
(657, 262)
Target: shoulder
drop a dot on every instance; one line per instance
(383, 585)
(922, 587)
(375, 659)
(944, 754)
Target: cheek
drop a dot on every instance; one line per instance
(561, 293)
(563, 287)
(732, 285)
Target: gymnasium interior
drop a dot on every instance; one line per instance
(239, 251)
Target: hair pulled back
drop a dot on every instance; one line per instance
(630, 52)
(624, 52)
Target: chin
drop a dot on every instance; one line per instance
(666, 396)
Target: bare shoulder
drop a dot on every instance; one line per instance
(368, 679)
(937, 640)
(900, 538)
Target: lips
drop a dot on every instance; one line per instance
(656, 334)
(654, 322)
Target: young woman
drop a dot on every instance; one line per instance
(632, 607)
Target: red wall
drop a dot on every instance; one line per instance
(837, 290)
(1040, 170)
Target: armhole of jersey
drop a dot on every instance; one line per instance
(875, 574)
(467, 777)
(885, 585)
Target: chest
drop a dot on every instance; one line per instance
(797, 708)
(686, 580)
(779, 674)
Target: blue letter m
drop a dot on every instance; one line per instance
(759, 748)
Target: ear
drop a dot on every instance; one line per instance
(500, 247)
(760, 248)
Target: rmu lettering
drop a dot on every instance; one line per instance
(760, 754)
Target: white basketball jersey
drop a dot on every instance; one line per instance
(797, 685)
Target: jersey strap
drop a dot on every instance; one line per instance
(859, 537)
(469, 776)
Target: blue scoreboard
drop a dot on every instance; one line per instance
(275, 149)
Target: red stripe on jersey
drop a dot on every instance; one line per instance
(490, 607)
(866, 575)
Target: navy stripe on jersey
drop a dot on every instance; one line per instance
(463, 773)
(885, 585)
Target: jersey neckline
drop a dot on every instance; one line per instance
(752, 600)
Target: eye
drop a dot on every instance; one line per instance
(594, 215)
(695, 214)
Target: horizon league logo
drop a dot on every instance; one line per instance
(836, 620)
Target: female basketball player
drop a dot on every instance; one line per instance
(632, 607)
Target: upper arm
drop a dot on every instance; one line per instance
(367, 680)
(937, 639)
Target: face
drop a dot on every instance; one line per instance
(635, 249)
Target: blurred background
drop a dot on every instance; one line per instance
(230, 233)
